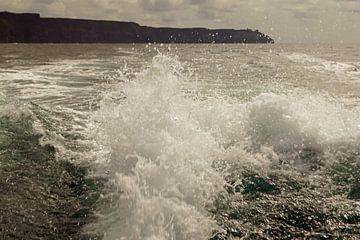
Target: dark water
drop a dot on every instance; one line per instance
(43, 197)
(179, 142)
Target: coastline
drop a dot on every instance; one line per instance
(32, 28)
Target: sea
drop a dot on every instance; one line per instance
(179, 142)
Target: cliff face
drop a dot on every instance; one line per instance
(31, 28)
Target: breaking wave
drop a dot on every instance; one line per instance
(340, 69)
(168, 152)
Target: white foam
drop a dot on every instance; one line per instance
(160, 157)
(340, 69)
(289, 124)
(53, 80)
(162, 145)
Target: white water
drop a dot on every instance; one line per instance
(342, 70)
(160, 157)
(161, 134)
(162, 145)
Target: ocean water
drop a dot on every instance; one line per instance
(180, 141)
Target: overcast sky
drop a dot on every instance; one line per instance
(328, 21)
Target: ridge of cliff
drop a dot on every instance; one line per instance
(32, 28)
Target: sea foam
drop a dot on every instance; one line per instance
(162, 146)
(160, 158)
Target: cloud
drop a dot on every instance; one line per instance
(305, 15)
(160, 5)
(351, 1)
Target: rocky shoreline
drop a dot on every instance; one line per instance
(31, 28)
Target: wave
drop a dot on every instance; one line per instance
(167, 153)
(340, 69)
(53, 82)
(160, 159)
(45, 185)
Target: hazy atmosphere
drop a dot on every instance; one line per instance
(287, 21)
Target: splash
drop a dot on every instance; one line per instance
(163, 145)
(160, 158)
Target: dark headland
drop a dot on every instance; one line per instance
(31, 28)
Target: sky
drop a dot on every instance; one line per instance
(286, 21)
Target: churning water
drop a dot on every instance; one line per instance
(182, 141)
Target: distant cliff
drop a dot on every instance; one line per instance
(31, 28)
